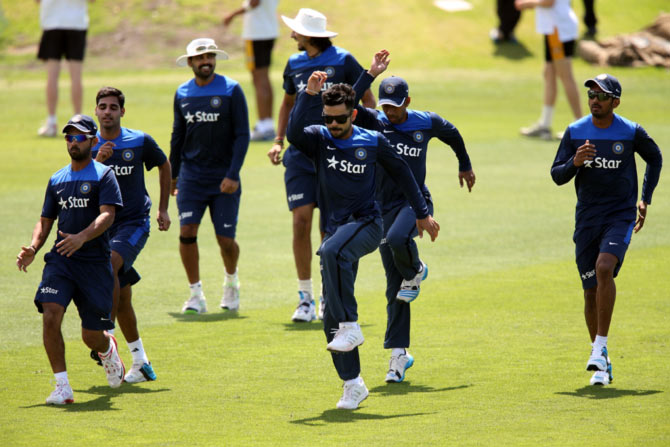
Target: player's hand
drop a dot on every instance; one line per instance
(430, 225)
(380, 62)
(274, 154)
(105, 151)
(173, 187)
(227, 20)
(316, 81)
(469, 177)
(585, 153)
(163, 220)
(25, 257)
(69, 244)
(229, 186)
(642, 210)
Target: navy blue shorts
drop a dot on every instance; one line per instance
(128, 239)
(299, 178)
(612, 238)
(89, 284)
(194, 197)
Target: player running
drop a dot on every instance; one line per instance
(345, 157)
(128, 152)
(408, 132)
(599, 152)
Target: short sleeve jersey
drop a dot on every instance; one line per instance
(74, 199)
(134, 150)
(210, 134)
(607, 185)
(338, 63)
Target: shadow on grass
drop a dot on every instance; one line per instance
(104, 401)
(511, 50)
(608, 392)
(207, 317)
(406, 387)
(339, 416)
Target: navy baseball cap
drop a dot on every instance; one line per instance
(83, 123)
(607, 82)
(393, 91)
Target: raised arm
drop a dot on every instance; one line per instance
(306, 142)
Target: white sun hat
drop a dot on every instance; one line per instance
(309, 23)
(200, 46)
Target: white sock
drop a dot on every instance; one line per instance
(61, 376)
(110, 331)
(547, 116)
(196, 288)
(352, 381)
(398, 351)
(137, 351)
(230, 279)
(305, 285)
(51, 120)
(600, 341)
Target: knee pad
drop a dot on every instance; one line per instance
(188, 240)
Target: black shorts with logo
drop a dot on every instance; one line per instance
(258, 53)
(56, 43)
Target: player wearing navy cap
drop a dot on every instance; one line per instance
(345, 157)
(210, 138)
(83, 196)
(408, 132)
(598, 150)
(317, 54)
(128, 152)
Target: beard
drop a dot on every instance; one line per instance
(79, 154)
(206, 73)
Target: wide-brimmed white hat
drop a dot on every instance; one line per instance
(309, 23)
(200, 46)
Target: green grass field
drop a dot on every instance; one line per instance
(498, 332)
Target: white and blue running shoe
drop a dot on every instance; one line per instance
(410, 288)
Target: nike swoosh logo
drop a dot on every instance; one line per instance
(185, 104)
(387, 131)
(613, 243)
(331, 148)
(227, 225)
(60, 191)
(298, 75)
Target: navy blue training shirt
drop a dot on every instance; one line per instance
(210, 131)
(607, 185)
(346, 168)
(74, 198)
(133, 151)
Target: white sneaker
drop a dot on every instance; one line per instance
(62, 394)
(322, 308)
(347, 337)
(48, 130)
(113, 365)
(231, 296)
(409, 289)
(262, 135)
(305, 312)
(398, 365)
(197, 304)
(352, 395)
(140, 372)
(601, 378)
(537, 131)
(598, 360)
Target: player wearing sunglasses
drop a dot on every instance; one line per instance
(598, 151)
(346, 158)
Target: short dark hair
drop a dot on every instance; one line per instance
(321, 43)
(339, 94)
(110, 91)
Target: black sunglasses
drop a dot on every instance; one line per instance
(340, 119)
(602, 96)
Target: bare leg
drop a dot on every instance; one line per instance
(117, 263)
(190, 256)
(549, 84)
(76, 88)
(230, 252)
(52, 337)
(302, 242)
(126, 315)
(590, 312)
(261, 80)
(606, 291)
(96, 340)
(53, 71)
(563, 70)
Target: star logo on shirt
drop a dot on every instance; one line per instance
(63, 203)
(588, 163)
(332, 162)
(189, 117)
(301, 86)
